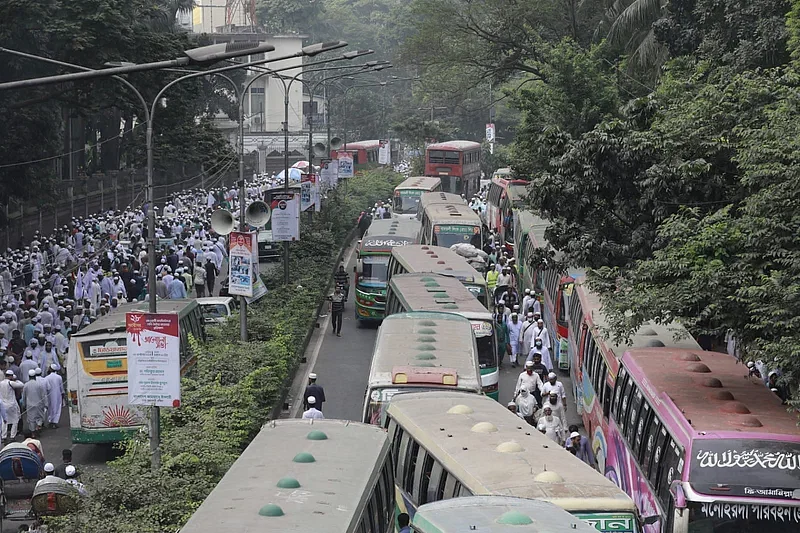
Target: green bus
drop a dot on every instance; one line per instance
(372, 267)
(436, 292)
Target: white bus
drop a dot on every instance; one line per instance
(420, 351)
(407, 195)
(446, 445)
(496, 514)
(97, 371)
(435, 292)
(305, 475)
(448, 224)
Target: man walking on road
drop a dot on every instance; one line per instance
(342, 280)
(313, 390)
(8, 397)
(312, 412)
(336, 309)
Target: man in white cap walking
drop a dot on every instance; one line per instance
(34, 399)
(54, 386)
(312, 412)
(553, 385)
(50, 477)
(315, 390)
(26, 366)
(8, 398)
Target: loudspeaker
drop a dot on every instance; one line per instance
(222, 221)
(257, 213)
(336, 143)
(320, 150)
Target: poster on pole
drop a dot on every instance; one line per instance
(154, 359)
(309, 191)
(345, 165)
(490, 133)
(259, 289)
(329, 173)
(240, 263)
(384, 152)
(285, 216)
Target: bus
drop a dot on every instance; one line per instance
(457, 164)
(685, 432)
(420, 351)
(365, 153)
(450, 445)
(498, 514)
(552, 286)
(434, 292)
(504, 195)
(407, 195)
(438, 198)
(448, 224)
(421, 258)
(305, 475)
(97, 371)
(372, 265)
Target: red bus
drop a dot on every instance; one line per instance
(504, 195)
(457, 164)
(365, 153)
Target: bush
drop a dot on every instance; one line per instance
(233, 389)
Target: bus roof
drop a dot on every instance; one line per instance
(452, 214)
(116, 321)
(425, 258)
(650, 335)
(426, 340)
(497, 514)
(517, 191)
(710, 390)
(492, 451)
(439, 197)
(458, 146)
(419, 182)
(332, 461)
(434, 292)
(362, 145)
(384, 234)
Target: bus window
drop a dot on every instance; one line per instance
(650, 438)
(423, 496)
(411, 465)
(633, 416)
(670, 470)
(660, 443)
(644, 419)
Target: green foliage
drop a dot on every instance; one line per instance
(232, 390)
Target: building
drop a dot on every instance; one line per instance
(264, 101)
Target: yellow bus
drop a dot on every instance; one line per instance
(97, 371)
(407, 195)
(448, 224)
(434, 292)
(305, 475)
(420, 351)
(421, 258)
(448, 445)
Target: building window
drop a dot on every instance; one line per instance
(256, 90)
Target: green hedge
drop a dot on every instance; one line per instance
(233, 389)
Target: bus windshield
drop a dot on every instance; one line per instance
(486, 346)
(407, 202)
(375, 270)
(447, 236)
(379, 399)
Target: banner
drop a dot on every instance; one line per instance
(490, 133)
(259, 289)
(240, 263)
(345, 165)
(384, 153)
(154, 359)
(309, 191)
(285, 216)
(329, 173)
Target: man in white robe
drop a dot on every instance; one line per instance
(8, 399)
(54, 386)
(551, 426)
(34, 398)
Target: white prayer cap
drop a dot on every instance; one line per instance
(9, 372)
(31, 372)
(312, 376)
(49, 468)
(54, 366)
(311, 400)
(70, 470)
(574, 434)
(38, 371)
(551, 375)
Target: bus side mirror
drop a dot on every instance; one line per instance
(676, 490)
(650, 520)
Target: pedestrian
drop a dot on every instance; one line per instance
(66, 460)
(49, 475)
(580, 447)
(54, 386)
(315, 390)
(312, 412)
(402, 523)
(551, 401)
(8, 398)
(526, 406)
(34, 400)
(200, 281)
(554, 385)
(528, 380)
(514, 332)
(26, 366)
(512, 407)
(176, 290)
(211, 275)
(342, 280)
(71, 472)
(551, 426)
(337, 309)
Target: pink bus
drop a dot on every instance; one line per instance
(697, 444)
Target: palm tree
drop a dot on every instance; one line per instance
(632, 27)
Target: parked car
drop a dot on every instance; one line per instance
(267, 249)
(217, 309)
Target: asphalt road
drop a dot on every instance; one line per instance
(342, 366)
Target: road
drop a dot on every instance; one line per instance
(342, 366)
